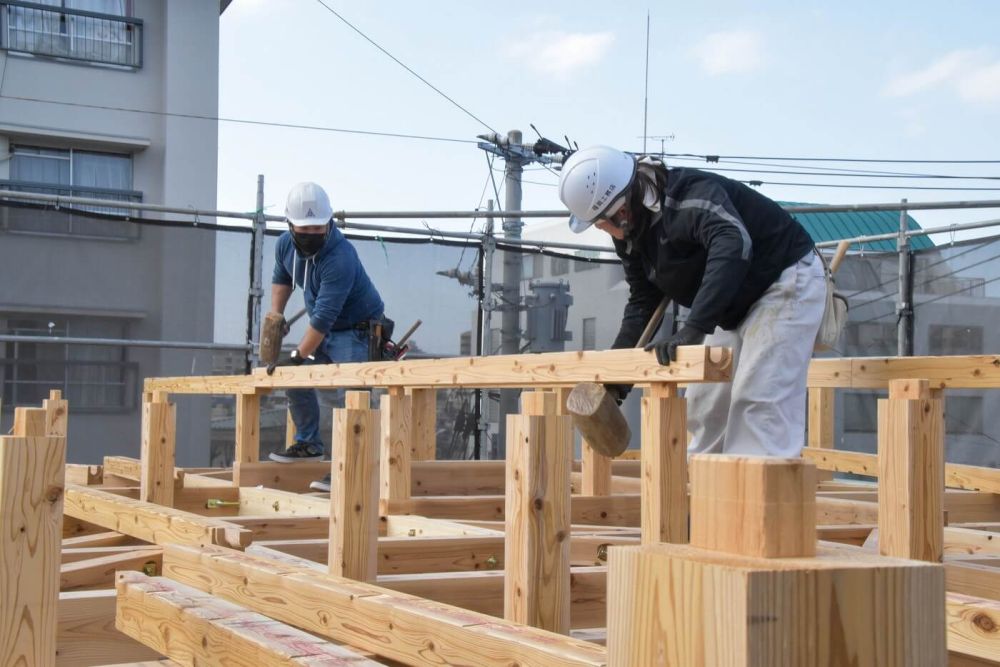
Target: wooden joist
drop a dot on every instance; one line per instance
(193, 628)
(694, 364)
(395, 625)
(99, 572)
(149, 522)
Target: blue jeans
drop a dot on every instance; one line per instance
(345, 346)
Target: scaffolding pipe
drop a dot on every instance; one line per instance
(122, 342)
(927, 231)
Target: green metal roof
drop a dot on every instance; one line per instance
(850, 224)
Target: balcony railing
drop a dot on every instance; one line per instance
(67, 222)
(74, 34)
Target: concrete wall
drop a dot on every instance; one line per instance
(164, 280)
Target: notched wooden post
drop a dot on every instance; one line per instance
(537, 563)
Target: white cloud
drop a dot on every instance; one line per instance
(730, 52)
(561, 54)
(971, 73)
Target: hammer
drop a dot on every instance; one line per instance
(272, 332)
(596, 414)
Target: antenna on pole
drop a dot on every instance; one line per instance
(645, 102)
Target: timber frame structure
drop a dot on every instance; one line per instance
(536, 560)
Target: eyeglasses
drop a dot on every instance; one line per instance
(617, 213)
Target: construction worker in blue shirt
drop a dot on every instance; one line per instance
(340, 299)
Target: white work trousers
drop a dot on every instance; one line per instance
(762, 412)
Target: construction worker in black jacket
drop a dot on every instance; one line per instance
(746, 271)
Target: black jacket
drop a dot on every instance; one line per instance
(715, 247)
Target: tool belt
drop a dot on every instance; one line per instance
(379, 336)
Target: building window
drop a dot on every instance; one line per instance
(75, 173)
(533, 266)
(465, 344)
(589, 333)
(860, 412)
(560, 266)
(94, 31)
(963, 415)
(871, 339)
(955, 339)
(91, 377)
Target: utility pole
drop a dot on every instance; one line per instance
(904, 303)
(516, 155)
(256, 277)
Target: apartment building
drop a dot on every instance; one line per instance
(97, 99)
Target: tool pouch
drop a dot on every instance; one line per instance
(834, 314)
(379, 334)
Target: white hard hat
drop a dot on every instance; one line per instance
(308, 205)
(591, 181)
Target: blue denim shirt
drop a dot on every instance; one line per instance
(337, 291)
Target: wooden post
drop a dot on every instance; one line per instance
(29, 422)
(663, 453)
(822, 429)
(358, 400)
(56, 414)
(289, 430)
(595, 468)
(159, 427)
(423, 424)
(354, 494)
(31, 500)
(753, 505)
(395, 482)
(247, 449)
(678, 604)
(911, 471)
(537, 558)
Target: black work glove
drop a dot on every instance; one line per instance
(293, 359)
(619, 392)
(666, 348)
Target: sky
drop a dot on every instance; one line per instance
(892, 79)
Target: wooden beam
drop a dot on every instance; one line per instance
(956, 475)
(972, 579)
(945, 372)
(617, 510)
(822, 429)
(755, 506)
(31, 500)
(278, 503)
(125, 467)
(247, 449)
(284, 476)
(394, 625)
(694, 364)
(482, 592)
(354, 495)
(911, 473)
(99, 572)
(395, 442)
(193, 628)
(87, 634)
(150, 522)
(159, 429)
(664, 466)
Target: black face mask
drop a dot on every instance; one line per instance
(308, 244)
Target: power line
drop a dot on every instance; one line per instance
(838, 171)
(848, 175)
(241, 121)
(486, 184)
(404, 66)
(868, 187)
(713, 158)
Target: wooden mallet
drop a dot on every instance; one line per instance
(272, 333)
(595, 412)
